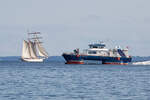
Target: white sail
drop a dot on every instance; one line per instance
(32, 50)
(25, 50)
(41, 50)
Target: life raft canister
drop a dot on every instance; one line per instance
(78, 55)
(118, 58)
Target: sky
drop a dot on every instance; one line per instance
(69, 24)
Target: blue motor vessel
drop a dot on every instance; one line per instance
(98, 52)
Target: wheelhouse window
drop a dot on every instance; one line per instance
(93, 47)
(92, 52)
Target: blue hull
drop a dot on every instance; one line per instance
(72, 59)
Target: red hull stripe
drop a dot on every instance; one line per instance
(117, 63)
(75, 62)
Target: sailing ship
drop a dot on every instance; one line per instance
(32, 50)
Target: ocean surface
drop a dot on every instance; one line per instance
(53, 80)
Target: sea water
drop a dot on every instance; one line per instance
(54, 80)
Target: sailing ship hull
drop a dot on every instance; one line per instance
(32, 60)
(79, 59)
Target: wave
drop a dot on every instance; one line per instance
(142, 63)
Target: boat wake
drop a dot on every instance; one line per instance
(142, 63)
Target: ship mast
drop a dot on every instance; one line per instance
(35, 39)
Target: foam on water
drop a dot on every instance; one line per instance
(142, 63)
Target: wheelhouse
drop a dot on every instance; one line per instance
(97, 45)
